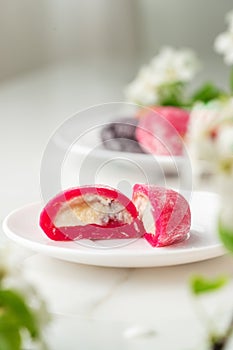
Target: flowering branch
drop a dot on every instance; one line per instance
(163, 81)
(22, 312)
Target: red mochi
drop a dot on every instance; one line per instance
(90, 212)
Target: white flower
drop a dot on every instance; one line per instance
(224, 45)
(12, 277)
(169, 66)
(201, 133)
(142, 90)
(224, 42)
(210, 135)
(175, 65)
(224, 142)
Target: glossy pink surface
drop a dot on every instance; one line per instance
(112, 230)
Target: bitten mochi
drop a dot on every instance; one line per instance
(90, 212)
(162, 216)
(164, 212)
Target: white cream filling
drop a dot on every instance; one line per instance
(91, 209)
(144, 208)
(67, 217)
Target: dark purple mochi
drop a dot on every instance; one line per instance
(119, 135)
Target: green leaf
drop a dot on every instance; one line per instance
(172, 94)
(10, 337)
(226, 236)
(200, 284)
(16, 314)
(231, 80)
(10, 340)
(207, 92)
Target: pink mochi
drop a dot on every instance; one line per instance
(164, 212)
(161, 130)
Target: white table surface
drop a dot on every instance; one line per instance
(92, 306)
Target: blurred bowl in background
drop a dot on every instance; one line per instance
(84, 159)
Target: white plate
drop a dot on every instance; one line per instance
(22, 227)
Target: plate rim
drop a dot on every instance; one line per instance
(105, 153)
